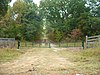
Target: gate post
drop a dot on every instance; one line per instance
(86, 41)
(18, 44)
(83, 44)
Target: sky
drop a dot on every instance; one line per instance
(35, 1)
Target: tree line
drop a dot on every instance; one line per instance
(22, 21)
(71, 18)
(63, 19)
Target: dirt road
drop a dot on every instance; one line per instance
(43, 61)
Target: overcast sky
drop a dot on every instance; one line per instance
(35, 1)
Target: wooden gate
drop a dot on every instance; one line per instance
(92, 41)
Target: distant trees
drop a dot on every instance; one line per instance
(63, 19)
(22, 22)
(3, 7)
(71, 17)
(29, 18)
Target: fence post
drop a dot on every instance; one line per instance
(83, 44)
(18, 44)
(86, 41)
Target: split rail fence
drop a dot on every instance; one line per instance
(92, 41)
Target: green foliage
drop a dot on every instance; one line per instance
(55, 36)
(32, 23)
(25, 20)
(67, 15)
(76, 34)
(28, 1)
(89, 25)
(22, 22)
(8, 27)
(3, 7)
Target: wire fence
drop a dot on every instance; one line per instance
(49, 44)
(12, 43)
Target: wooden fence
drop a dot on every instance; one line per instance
(92, 41)
(7, 42)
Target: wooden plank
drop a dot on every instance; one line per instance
(7, 39)
(97, 39)
(91, 42)
(94, 37)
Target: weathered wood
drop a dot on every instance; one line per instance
(7, 42)
(86, 41)
(97, 39)
(94, 36)
(92, 40)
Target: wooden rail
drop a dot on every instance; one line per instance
(92, 40)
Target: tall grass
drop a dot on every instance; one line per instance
(86, 61)
(9, 54)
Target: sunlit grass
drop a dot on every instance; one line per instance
(87, 61)
(9, 54)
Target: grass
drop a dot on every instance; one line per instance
(9, 54)
(86, 61)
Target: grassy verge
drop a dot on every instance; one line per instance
(86, 61)
(9, 54)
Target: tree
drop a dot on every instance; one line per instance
(28, 1)
(3, 7)
(29, 19)
(63, 14)
(94, 5)
(76, 34)
(8, 27)
(22, 21)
